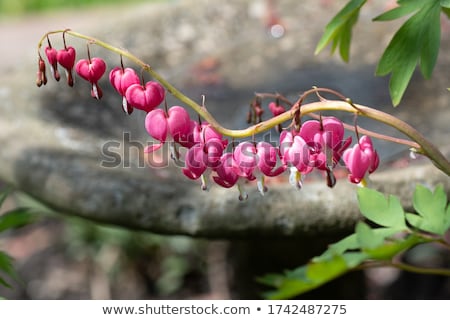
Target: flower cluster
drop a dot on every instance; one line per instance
(313, 145)
(317, 145)
(125, 81)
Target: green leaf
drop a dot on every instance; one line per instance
(385, 212)
(404, 8)
(367, 238)
(338, 30)
(16, 218)
(389, 249)
(354, 259)
(417, 41)
(434, 215)
(445, 3)
(306, 278)
(6, 265)
(430, 204)
(351, 243)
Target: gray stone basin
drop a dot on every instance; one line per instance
(52, 138)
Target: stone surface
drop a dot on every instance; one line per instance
(53, 138)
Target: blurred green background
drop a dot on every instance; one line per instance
(17, 7)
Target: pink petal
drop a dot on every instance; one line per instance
(156, 124)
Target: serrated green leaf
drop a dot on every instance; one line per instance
(351, 243)
(16, 218)
(385, 212)
(427, 225)
(388, 250)
(404, 9)
(321, 272)
(348, 243)
(308, 277)
(417, 41)
(340, 24)
(354, 259)
(430, 204)
(367, 238)
(432, 209)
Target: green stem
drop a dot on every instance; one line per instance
(421, 144)
(411, 268)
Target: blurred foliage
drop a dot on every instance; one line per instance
(29, 6)
(417, 41)
(373, 246)
(169, 256)
(10, 220)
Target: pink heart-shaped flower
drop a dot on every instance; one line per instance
(91, 70)
(146, 97)
(156, 126)
(51, 54)
(66, 57)
(276, 109)
(121, 79)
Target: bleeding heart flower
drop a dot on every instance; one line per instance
(160, 125)
(226, 171)
(121, 79)
(51, 54)
(276, 109)
(361, 160)
(325, 140)
(246, 161)
(268, 159)
(92, 70)
(146, 97)
(204, 132)
(195, 162)
(295, 154)
(66, 58)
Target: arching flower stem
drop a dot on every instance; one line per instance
(419, 143)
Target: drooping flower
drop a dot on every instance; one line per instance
(361, 160)
(121, 79)
(256, 161)
(66, 58)
(276, 109)
(162, 126)
(92, 70)
(146, 97)
(295, 155)
(52, 54)
(226, 174)
(325, 140)
(202, 157)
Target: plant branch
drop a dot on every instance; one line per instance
(420, 143)
(408, 268)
